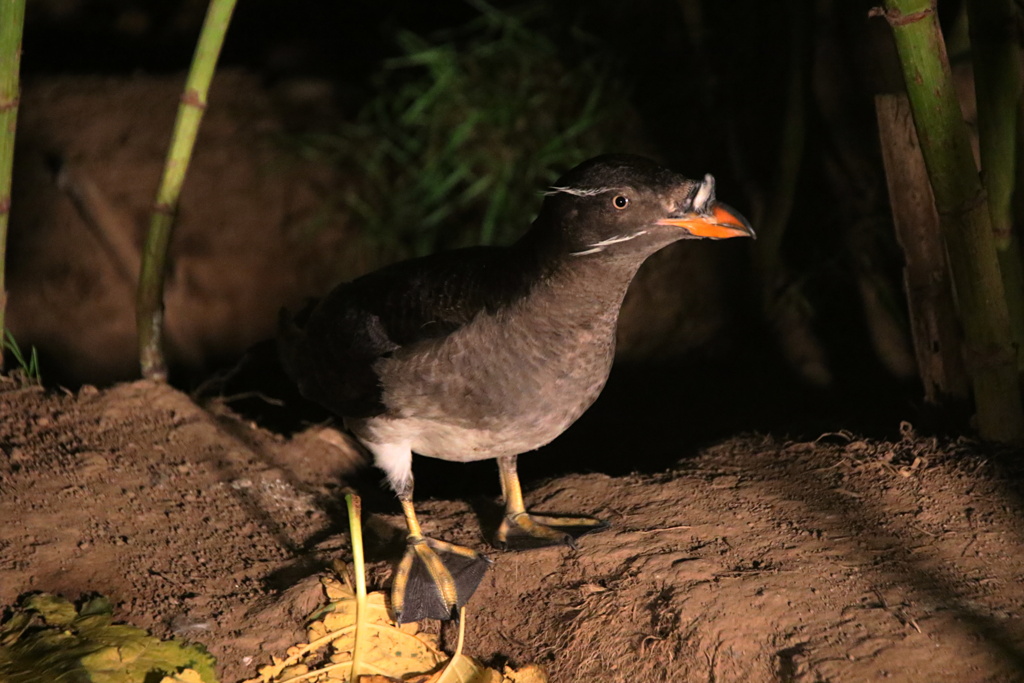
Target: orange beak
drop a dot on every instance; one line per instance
(720, 224)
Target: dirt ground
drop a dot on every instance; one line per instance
(756, 559)
(728, 558)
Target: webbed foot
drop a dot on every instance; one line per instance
(522, 530)
(435, 579)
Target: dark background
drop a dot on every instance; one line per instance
(713, 85)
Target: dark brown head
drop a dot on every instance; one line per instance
(628, 205)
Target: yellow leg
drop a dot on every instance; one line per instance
(411, 522)
(531, 530)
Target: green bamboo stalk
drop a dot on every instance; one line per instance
(998, 85)
(12, 21)
(963, 217)
(149, 312)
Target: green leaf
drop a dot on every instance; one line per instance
(72, 646)
(97, 605)
(55, 610)
(14, 627)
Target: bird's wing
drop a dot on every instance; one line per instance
(331, 354)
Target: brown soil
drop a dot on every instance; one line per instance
(756, 560)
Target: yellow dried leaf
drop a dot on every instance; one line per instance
(294, 670)
(183, 676)
(339, 674)
(268, 672)
(531, 673)
(463, 669)
(431, 639)
(423, 678)
(398, 651)
(316, 630)
(403, 652)
(336, 590)
(341, 613)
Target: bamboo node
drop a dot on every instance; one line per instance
(1003, 233)
(898, 18)
(7, 105)
(990, 356)
(193, 98)
(979, 201)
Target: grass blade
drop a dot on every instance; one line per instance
(355, 504)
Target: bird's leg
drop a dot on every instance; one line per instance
(434, 578)
(522, 529)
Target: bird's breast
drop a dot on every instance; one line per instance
(508, 382)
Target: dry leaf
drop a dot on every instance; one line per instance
(403, 653)
(531, 673)
(463, 669)
(184, 676)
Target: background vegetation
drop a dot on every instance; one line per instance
(447, 121)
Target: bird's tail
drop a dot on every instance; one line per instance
(292, 345)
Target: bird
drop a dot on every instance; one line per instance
(489, 352)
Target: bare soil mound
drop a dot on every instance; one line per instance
(757, 560)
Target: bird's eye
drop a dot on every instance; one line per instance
(620, 201)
